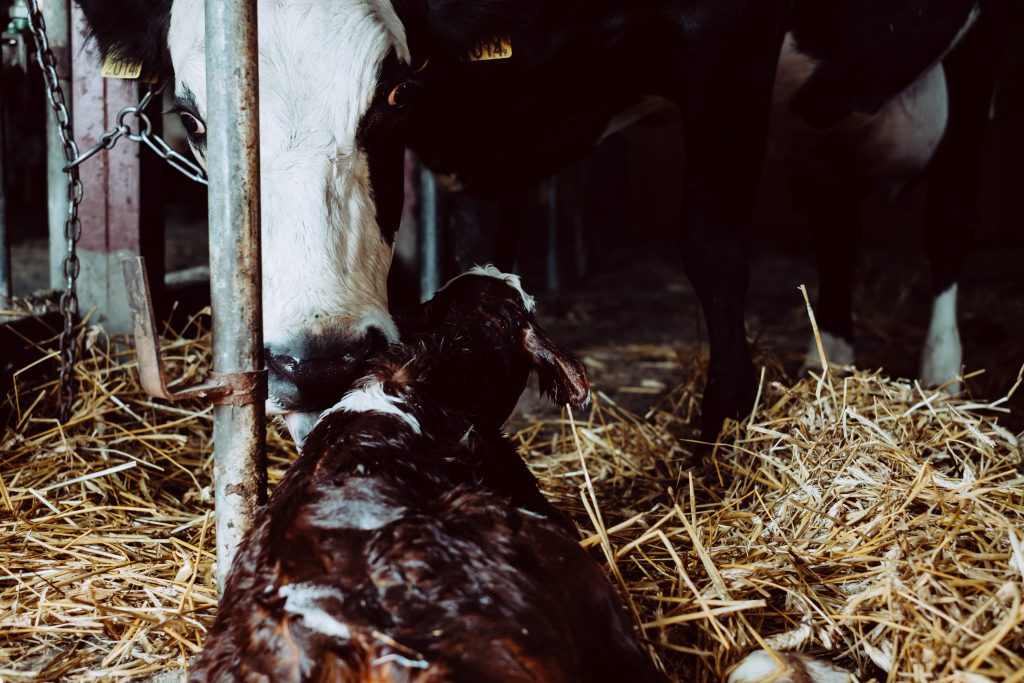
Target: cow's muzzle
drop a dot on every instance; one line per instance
(309, 382)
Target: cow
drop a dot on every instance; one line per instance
(496, 94)
(409, 542)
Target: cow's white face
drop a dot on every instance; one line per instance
(325, 255)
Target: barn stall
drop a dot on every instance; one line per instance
(855, 516)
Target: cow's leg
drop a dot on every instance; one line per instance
(728, 85)
(951, 211)
(834, 215)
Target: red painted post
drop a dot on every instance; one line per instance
(111, 219)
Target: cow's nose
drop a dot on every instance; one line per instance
(312, 380)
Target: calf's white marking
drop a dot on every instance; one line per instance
(373, 399)
(356, 504)
(509, 279)
(394, 658)
(301, 600)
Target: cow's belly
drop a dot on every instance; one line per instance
(898, 141)
(888, 147)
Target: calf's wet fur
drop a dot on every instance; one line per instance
(409, 542)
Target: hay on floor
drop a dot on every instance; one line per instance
(858, 518)
(106, 533)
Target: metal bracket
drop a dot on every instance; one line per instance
(234, 389)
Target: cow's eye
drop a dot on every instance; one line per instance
(399, 95)
(192, 124)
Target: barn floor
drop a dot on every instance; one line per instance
(105, 522)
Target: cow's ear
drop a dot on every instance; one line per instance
(458, 28)
(135, 31)
(562, 375)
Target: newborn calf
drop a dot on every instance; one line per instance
(410, 543)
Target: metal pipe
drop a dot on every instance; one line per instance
(57, 16)
(579, 221)
(554, 256)
(429, 235)
(239, 431)
(6, 291)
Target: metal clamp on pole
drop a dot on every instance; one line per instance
(233, 389)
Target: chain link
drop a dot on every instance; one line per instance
(146, 136)
(72, 225)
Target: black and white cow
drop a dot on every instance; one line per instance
(346, 84)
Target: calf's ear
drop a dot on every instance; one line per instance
(562, 375)
(135, 31)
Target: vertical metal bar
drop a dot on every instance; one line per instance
(6, 292)
(579, 220)
(232, 79)
(554, 257)
(430, 235)
(56, 14)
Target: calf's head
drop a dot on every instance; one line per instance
(335, 82)
(480, 342)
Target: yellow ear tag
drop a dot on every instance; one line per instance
(115, 67)
(498, 48)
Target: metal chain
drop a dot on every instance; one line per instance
(72, 226)
(145, 136)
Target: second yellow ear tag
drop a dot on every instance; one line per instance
(115, 67)
(498, 48)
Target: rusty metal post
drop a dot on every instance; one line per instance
(6, 289)
(239, 430)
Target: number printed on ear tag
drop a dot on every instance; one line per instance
(115, 67)
(498, 48)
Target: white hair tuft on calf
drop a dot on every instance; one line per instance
(303, 600)
(510, 279)
(372, 398)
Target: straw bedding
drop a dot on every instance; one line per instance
(857, 518)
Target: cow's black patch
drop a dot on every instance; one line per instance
(455, 27)
(503, 124)
(379, 137)
(136, 30)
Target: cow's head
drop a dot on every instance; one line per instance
(335, 92)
